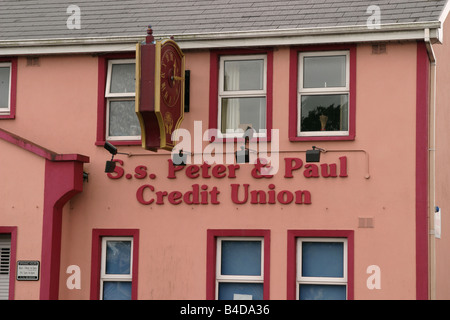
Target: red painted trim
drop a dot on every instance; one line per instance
(13, 98)
(214, 87)
(292, 257)
(96, 254)
(101, 100)
(293, 86)
(63, 180)
(211, 249)
(422, 92)
(12, 265)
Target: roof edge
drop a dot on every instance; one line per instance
(350, 29)
(351, 33)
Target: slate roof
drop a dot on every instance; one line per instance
(37, 19)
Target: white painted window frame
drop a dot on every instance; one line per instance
(239, 93)
(7, 111)
(236, 278)
(104, 277)
(322, 91)
(321, 280)
(129, 96)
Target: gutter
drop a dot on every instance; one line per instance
(187, 41)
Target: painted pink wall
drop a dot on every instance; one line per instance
(62, 94)
(22, 207)
(386, 130)
(58, 95)
(442, 172)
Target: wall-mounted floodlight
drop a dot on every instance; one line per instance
(249, 133)
(314, 154)
(108, 146)
(110, 165)
(243, 155)
(179, 159)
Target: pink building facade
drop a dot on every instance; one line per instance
(363, 223)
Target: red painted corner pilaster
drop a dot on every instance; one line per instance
(63, 179)
(422, 89)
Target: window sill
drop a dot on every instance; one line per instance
(350, 137)
(238, 140)
(6, 116)
(120, 142)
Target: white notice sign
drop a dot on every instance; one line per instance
(437, 223)
(238, 296)
(28, 270)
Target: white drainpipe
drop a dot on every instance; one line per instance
(431, 166)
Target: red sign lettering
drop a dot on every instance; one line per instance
(203, 194)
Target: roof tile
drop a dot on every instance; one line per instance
(34, 19)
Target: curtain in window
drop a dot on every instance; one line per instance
(232, 106)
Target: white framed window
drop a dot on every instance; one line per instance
(323, 94)
(116, 268)
(122, 122)
(5, 88)
(321, 269)
(240, 268)
(242, 95)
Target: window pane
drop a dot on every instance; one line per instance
(123, 78)
(324, 112)
(322, 292)
(241, 258)
(323, 259)
(240, 291)
(4, 87)
(116, 290)
(122, 119)
(324, 72)
(243, 75)
(239, 113)
(118, 257)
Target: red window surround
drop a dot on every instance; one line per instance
(12, 258)
(101, 100)
(214, 85)
(293, 92)
(211, 257)
(96, 252)
(292, 256)
(13, 88)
